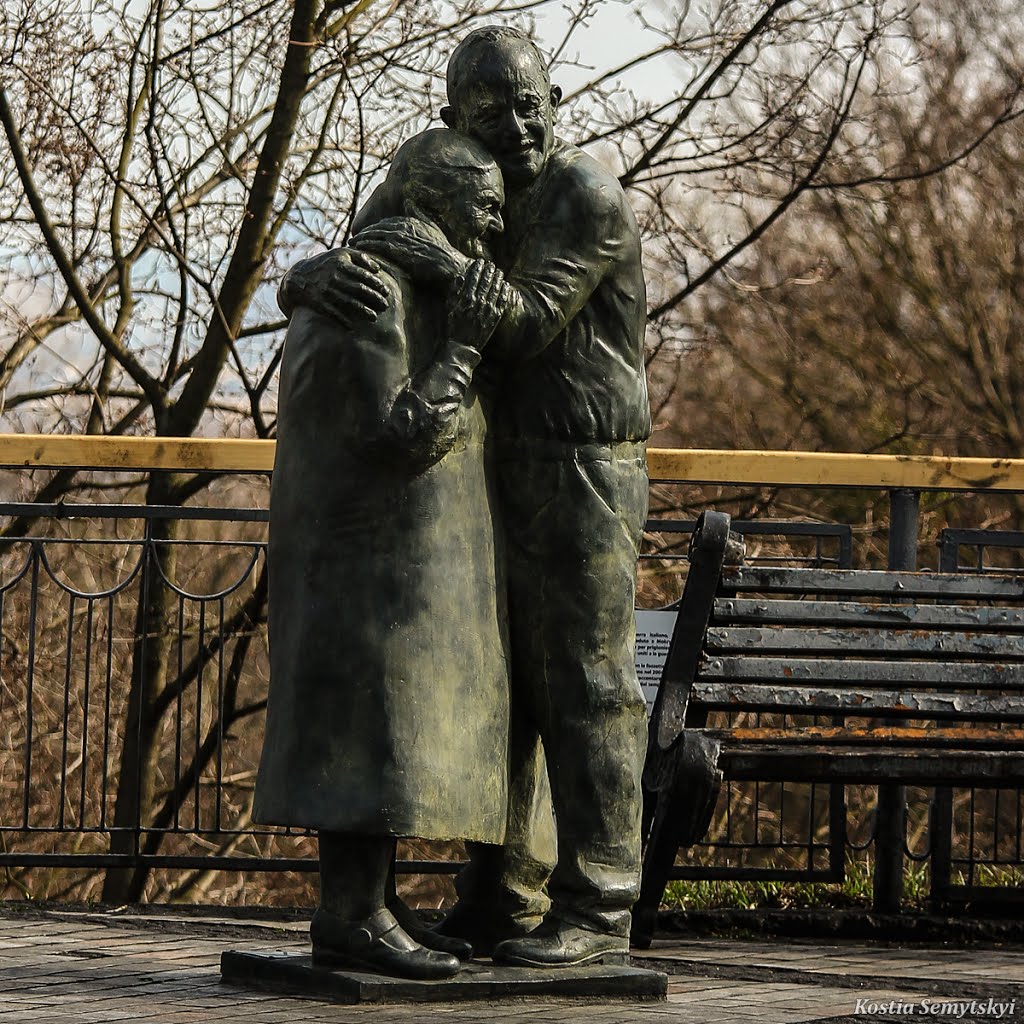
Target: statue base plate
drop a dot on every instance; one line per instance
(295, 974)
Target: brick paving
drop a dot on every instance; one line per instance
(91, 967)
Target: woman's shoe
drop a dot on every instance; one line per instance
(378, 944)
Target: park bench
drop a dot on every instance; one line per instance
(826, 675)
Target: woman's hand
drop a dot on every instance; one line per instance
(478, 301)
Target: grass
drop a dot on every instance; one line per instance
(854, 892)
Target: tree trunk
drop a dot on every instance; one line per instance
(137, 772)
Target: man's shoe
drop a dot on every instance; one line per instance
(377, 944)
(427, 936)
(560, 944)
(481, 930)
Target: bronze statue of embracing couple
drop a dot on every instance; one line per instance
(458, 499)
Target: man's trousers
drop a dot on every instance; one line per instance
(574, 518)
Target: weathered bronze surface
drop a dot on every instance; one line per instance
(570, 418)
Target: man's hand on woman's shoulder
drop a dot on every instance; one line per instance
(342, 284)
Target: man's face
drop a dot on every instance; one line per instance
(472, 214)
(510, 109)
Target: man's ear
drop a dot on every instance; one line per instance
(556, 97)
(448, 116)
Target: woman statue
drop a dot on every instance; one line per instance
(388, 704)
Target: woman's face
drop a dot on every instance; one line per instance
(473, 213)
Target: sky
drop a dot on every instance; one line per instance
(614, 35)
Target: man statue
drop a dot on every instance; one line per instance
(572, 417)
(388, 705)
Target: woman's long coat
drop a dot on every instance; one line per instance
(388, 704)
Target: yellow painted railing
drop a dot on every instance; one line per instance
(836, 469)
(716, 466)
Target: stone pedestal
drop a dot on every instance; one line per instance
(294, 973)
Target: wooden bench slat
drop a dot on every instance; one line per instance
(829, 764)
(798, 700)
(878, 736)
(897, 644)
(874, 582)
(914, 616)
(852, 671)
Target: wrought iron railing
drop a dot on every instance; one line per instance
(69, 608)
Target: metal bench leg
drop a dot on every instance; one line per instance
(889, 838)
(680, 802)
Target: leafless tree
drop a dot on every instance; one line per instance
(884, 314)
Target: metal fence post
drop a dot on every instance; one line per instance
(890, 817)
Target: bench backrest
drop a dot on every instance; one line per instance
(870, 644)
(896, 646)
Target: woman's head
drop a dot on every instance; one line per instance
(451, 180)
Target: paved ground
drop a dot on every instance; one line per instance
(81, 967)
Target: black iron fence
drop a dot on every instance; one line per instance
(73, 681)
(118, 635)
